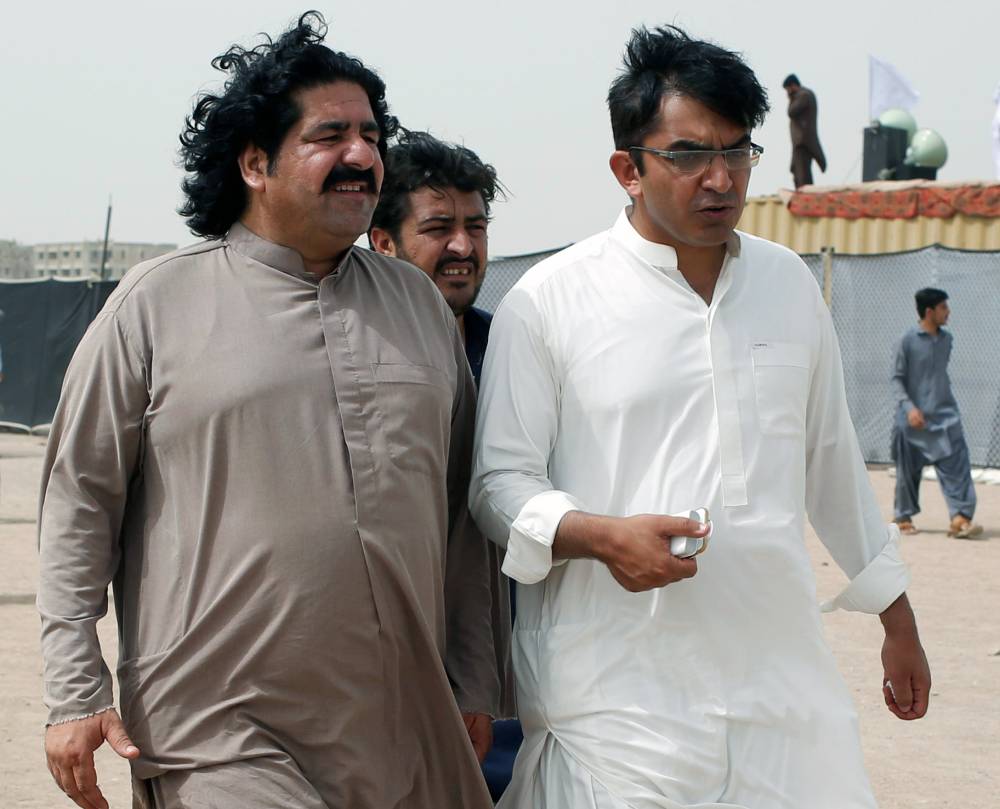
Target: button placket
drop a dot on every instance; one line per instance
(727, 409)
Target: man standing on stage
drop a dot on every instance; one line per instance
(805, 135)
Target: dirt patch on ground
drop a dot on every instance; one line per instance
(949, 759)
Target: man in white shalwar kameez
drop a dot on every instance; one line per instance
(667, 364)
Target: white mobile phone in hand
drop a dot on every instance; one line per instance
(685, 547)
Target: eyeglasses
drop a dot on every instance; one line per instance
(695, 161)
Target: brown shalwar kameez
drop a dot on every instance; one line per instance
(273, 470)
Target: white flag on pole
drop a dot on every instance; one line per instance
(996, 131)
(888, 88)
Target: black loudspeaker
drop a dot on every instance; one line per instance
(885, 148)
(905, 172)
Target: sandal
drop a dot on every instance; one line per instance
(964, 528)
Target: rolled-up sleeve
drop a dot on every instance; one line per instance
(840, 501)
(872, 587)
(511, 497)
(529, 543)
(93, 451)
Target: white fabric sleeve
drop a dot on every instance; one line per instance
(529, 543)
(885, 574)
(511, 497)
(839, 498)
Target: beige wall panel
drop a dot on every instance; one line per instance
(769, 218)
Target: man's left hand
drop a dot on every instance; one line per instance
(480, 728)
(906, 678)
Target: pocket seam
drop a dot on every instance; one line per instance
(773, 419)
(781, 355)
(389, 374)
(417, 374)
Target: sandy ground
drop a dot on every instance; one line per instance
(949, 759)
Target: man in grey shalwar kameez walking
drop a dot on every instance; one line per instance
(928, 427)
(264, 441)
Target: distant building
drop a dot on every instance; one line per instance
(15, 260)
(83, 259)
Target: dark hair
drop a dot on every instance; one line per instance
(666, 61)
(419, 160)
(258, 105)
(928, 298)
(791, 79)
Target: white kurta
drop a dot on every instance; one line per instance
(611, 387)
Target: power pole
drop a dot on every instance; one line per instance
(104, 252)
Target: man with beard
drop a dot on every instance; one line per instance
(264, 440)
(666, 365)
(434, 212)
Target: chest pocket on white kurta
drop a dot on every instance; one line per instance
(781, 382)
(414, 404)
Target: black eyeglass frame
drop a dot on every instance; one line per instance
(671, 156)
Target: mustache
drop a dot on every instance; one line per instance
(450, 258)
(715, 201)
(345, 174)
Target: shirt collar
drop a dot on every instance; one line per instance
(922, 332)
(659, 255)
(286, 259)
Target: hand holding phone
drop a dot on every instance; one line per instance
(684, 547)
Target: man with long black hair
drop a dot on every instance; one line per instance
(264, 441)
(672, 365)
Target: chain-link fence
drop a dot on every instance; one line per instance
(872, 305)
(871, 299)
(503, 273)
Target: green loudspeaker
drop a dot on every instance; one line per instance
(899, 119)
(927, 150)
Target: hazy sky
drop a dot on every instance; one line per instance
(95, 95)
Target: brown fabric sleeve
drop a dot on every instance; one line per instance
(92, 453)
(471, 653)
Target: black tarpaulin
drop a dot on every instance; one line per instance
(41, 325)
